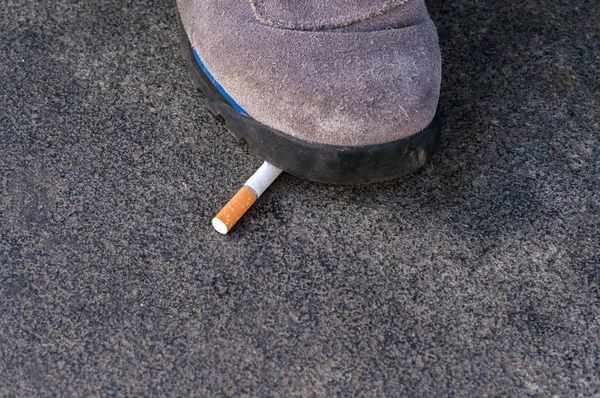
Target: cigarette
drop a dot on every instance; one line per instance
(245, 197)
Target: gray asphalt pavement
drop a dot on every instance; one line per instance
(478, 275)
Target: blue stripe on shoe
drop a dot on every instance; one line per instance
(235, 105)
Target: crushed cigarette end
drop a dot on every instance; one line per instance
(245, 197)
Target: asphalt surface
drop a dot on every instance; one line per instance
(478, 275)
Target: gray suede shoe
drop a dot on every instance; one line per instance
(331, 91)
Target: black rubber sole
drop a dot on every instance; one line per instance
(316, 162)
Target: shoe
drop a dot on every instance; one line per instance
(330, 91)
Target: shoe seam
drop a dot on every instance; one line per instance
(260, 14)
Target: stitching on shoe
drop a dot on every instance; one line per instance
(261, 14)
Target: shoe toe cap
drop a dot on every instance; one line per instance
(338, 88)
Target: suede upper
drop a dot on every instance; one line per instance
(369, 74)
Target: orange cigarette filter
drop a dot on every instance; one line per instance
(234, 210)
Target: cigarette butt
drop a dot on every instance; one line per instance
(245, 197)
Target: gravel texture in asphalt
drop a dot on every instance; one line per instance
(477, 275)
